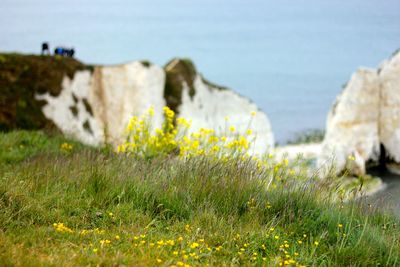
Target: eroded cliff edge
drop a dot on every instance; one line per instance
(363, 126)
(94, 103)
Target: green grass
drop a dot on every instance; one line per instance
(166, 211)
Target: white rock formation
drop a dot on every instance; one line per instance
(389, 121)
(220, 109)
(112, 94)
(120, 92)
(68, 111)
(365, 115)
(95, 107)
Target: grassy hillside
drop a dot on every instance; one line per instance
(62, 203)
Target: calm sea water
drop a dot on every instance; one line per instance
(290, 57)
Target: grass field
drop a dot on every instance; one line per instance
(65, 204)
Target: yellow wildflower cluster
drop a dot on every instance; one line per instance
(177, 251)
(141, 141)
(66, 147)
(60, 227)
(192, 248)
(174, 137)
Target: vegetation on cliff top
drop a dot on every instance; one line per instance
(24, 76)
(62, 203)
(178, 71)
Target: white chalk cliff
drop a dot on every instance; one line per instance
(365, 116)
(95, 106)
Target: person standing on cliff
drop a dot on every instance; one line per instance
(45, 48)
(71, 52)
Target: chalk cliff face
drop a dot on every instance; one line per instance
(94, 104)
(365, 116)
(389, 121)
(215, 107)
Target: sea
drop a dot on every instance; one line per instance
(290, 57)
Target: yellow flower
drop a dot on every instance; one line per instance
(60, 227)
(253, 113)
(121, 149)
(151, 111)
(66, 146)
(340, 225)
(232, 129)
(170, 242)
(105, 242)
(194, 245)
(316, 243)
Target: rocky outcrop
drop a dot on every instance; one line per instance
(215, 107)
(364, 123)
(94, 104)
(389, 120)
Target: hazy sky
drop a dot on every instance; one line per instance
(290, 57)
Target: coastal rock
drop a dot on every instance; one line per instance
(94, 103)
(389, 121)
(120, 92)
(96, 106)
(364, 122)
(216, 107)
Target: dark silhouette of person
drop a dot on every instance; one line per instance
(59, 51)
(64, 52)
(45, 48)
